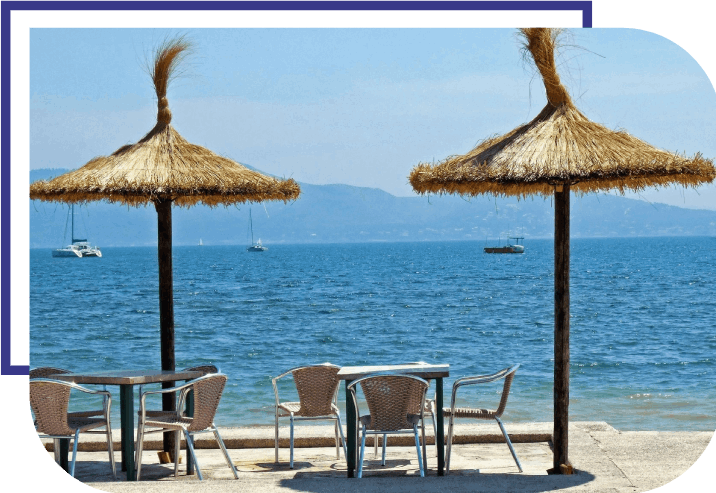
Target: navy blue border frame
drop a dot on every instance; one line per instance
(6, 368)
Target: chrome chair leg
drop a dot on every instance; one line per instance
(226, 452)
(177, 451)
(509, 443)
(385, 445)
(449, 445)
(425, 447)
(56, 447)
(338, 446)
(140, 447)
(190, 449)
(420, 455)
(435, 431)
(291, 461)
(362, 452)
(343, 439)
(276, 438)
(110, 447)
(74, 454)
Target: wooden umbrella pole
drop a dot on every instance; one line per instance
(561, 327)
(166, 305)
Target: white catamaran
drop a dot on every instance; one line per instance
(79, 246)
(255, 247)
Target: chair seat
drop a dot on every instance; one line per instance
(49, 401)
(204, 369)
(172, 421)
(84, 423)
(412, 419)
(86, 414)
(467, 412)
(207, 390)
(295, 408)
(317, 389)
(154, 414)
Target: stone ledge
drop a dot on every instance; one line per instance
(323, 436)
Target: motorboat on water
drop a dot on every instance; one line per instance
(254, 247)
(79, 246)
(509, 248)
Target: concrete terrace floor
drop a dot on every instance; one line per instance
(606, 460)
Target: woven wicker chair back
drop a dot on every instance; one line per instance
(316, 386)
(415, 402)
(46, 371)
(505, 394)
(49, 402)
(207, 393)
(204, 369)
(391, 398)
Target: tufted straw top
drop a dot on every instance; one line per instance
(163, 165)
(559, 146)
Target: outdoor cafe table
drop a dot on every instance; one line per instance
(126, 379)
(426, 371)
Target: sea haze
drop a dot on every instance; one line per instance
(348, 214)
(642, 327)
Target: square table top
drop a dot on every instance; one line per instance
(422, 370)
(127, 377)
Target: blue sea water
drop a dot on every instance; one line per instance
(643, 335)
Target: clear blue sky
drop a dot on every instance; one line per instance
(356, 106)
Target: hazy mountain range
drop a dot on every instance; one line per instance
(344, 213)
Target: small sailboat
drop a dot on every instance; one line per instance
(79, 246)
(255, 247)
(201, 243)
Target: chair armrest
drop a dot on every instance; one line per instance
(276, 379)
(183, 389)
(182, 398)
(179, 402)
(478, 379)
(106, 398)
(88, 391)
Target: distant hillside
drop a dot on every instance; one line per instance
(344, 213)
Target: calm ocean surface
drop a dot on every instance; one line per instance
(643, 335)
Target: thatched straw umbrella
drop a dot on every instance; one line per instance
(558, 151)
(164, 169)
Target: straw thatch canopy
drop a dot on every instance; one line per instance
(164, 169)
(558, 152)
(560, 145)
(163, 165)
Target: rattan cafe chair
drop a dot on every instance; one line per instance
(414, 409)
(47, 372)
(390, 399)
(49, 400)
(317, 388)
(204, 369)
(452, 412)
(207, 393)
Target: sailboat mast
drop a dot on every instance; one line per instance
(251, 224)
(72, 212)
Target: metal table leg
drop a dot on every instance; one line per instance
(440, 438)
(352, 433)
(190, 413)
(63, 453)
(126, 414)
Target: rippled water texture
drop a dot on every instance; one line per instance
(643, 338)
